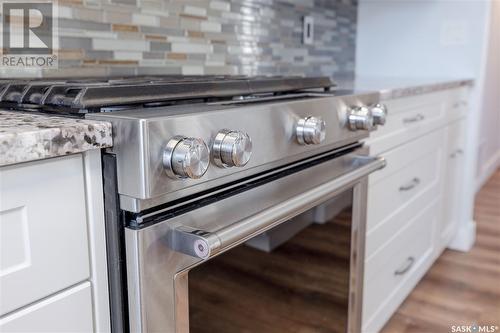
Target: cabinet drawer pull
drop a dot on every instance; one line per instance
(418, 117)
(456, 152)
(414, 182)
(459, 104)
(409, 263)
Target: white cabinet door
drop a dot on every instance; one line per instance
(68, 311)
(43, 230)
(396, 267)
(454, 181)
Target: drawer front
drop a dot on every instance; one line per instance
(397, 191)
(409, 118)
(68, 311)
(411, 178)
(396, 268)
(43, 230)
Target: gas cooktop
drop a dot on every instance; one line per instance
(89, 95)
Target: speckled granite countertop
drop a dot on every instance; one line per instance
(391, 88)
(29, 136)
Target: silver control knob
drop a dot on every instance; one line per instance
(310, 130)
(231, 149)
(360, 118)
(379, 112)
(185, 157)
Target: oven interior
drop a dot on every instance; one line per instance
(293, 278)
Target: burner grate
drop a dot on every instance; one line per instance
(93, 94)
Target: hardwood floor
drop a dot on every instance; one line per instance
(460, 288)
(301, 286)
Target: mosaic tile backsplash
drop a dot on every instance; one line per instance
(252, 37)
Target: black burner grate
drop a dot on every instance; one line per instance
(93, 94)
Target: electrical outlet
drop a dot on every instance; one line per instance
(454, 33)
(308, 30)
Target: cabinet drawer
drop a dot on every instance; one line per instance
(396, 267)
(397, 191)
(43, 230)
(409, 118)
(401, 156)
(413, 170)
(68, 311)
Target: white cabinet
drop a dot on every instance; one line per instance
(411, 180)
(68, 311)
(53, 273)
(455, 156)
(408, 119)
(413, 204)
(43, 228)
(394, 269)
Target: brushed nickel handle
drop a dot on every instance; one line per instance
(456, 152)
(414, 182)
(203, 244)
(409, 263)
(418, 117)
(456, 105)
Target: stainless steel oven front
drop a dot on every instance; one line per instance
(281, 251)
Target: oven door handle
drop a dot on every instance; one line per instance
(203, 244)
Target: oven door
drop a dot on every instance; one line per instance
(271, 255)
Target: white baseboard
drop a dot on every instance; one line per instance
(464, 238)
(487, 170)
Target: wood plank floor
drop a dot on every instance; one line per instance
(301, 286)
(460, 288)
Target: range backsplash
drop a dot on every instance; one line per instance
(124, 37)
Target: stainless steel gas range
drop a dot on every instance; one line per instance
(233, 204)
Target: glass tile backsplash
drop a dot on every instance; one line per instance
(125, 37)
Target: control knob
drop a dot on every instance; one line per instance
(360, 118)
(185, 157)
(379, 112)
(310, 130)
(231, 149)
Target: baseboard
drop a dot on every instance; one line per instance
(464, 238)
(488, 170)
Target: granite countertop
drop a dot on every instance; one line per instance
(391, 88)
(26, 136)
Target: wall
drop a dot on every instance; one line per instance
(448, 39)
(121, 37)
(489, 133)
(431, 38)
(425, 38)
